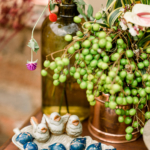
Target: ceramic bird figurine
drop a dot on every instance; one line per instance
(74, 126)
(40, 131)
(57, 123)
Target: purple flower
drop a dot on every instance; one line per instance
(31, 65)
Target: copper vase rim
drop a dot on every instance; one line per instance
(109, 134)
(99, 100)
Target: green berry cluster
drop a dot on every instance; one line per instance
(105, 62)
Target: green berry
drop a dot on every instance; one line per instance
(56, 82)
(62, 78)
(112, 105)
(44, 73)
(68, 38)
(53, 65)
(129, 137)
(56, 76)
(121, 119)
(93, 103)
(46, 63)
(129, 53)
(129, 130)
(98, 16)
(77, 19)
(65, 61)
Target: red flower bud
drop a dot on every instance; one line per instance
(53, 17)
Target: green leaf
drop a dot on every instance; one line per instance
(143, 1)
(52, 6)
(143, 41)
(148, 2)
(122, 2)
(148, 30)
(113, 16)
(118, 4)
(81, 10)
(102, 24)
(109, 4)
(80, 2)
(90, 11)
(33, 45)
(92, 18)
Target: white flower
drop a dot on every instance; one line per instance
(129, 25)
(139, 16)
(136, 51)
(123, 26)
(132, 31)
(122, 9)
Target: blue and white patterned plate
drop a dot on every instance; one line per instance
(63, 139)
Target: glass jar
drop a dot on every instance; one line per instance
(67, 97)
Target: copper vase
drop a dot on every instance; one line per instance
(103, 123)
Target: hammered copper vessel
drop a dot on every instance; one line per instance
(104, 125)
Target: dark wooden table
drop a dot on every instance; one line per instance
(137, 145)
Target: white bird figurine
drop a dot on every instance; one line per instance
(40, 131)
(74, 126)
(57, 123)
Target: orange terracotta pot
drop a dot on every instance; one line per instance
(104, 125)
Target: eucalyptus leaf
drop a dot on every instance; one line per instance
(90, 11)
(33, 45)
(81, 11)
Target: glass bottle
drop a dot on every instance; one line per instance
(67, 97)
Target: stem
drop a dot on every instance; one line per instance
(38, 21)
(140, 121)
(31, 55)
(49, 6)
(66, 99)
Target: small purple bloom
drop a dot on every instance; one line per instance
(31, 65)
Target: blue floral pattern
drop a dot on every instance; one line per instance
(30, 146)
(57, 146)
(24, 137)
(78, 144)
(96, 146)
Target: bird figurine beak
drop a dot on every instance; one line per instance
(68, 114)
(57, 118)
(75, 122)
(43, 130)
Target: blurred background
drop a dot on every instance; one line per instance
(20, 89)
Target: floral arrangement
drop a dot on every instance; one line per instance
(112, 56)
